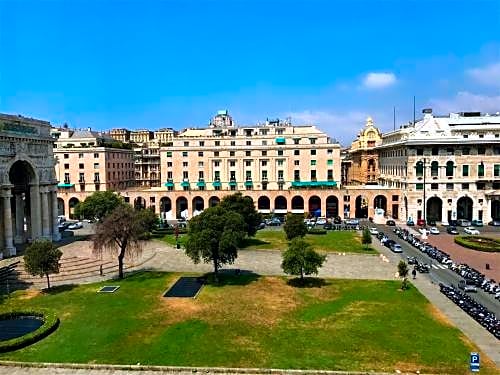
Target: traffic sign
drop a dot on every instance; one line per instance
(474, 362)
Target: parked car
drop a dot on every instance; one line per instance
(494, 223)
(431, 222)
(477, 223)
(467, 286)
(337, 220)
(391, 223)
(421, 222)
(63, 226)
(396, 248)
(412, 260)
(410, 222)
(374, 231)
(463, 223)
(274, 222)
(321, 221)
(328, 226)
(434, 230)
(77, 225)
(262, 225)
(452, 230)
(471, 230)
(351, 221)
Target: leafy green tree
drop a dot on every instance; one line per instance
(98, 205)
(294, 226)
(214, 236)
(301, 259)
(246, 208)
(366, 238)
(119, 234)
(403, 272)
(148, 218)
(42, 258)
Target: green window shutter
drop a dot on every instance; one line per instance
(169, 154)
(313, 162)
(329, 162)
(419, 186)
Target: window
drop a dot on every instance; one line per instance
(248, 163)
(186, 144)
(216, 153)
(434, 186)
(264, 143)
(449, 186)
(200, 164)
(232, 176)
(201, 175)
(466, 135)
(329, 162)
(264, 163)
(233, 143)
(481, 135)
(450, 151)
(169, 175)
(419, 186)
(280, 162)
(313, 162)
(96, 156)
(347, 198)
(420, 151)
(202, 143)
(264, 153)
(96, 165)
(217, 143)
(395, 198)
(496, 170)
(217, 176)
(169, 154)
(296, 162)
(329, 174)
(81, 166)
(216, 163)
(184, 164)
(264, 175)
(248, 153)
(481, 150)
(248, 175)
(296, 141)
(169, 164)
(184, 154)
(465, 170)
(231, 153)
(66, 178)
(279, 131)
(480, 170)
(96, 177)
(466, 151)
(249, 143)
(313, 175)
(232, 163)
(81, 177)
(419, 169)
(66, 156)
(66, 166)
(480, 185)
(280, 152)
(296, 152)
(313, 152)
(296, 175)
(465, 186)
(312, 140)
(80, 156)
(435, 151)
(329, 151)
(434, 169)
(185, 175)
(280, 175)
(200, 154)
(449, 169)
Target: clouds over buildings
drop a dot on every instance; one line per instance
(488, 75)
(379, 80)
(465, 101)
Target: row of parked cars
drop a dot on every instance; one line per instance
(477, 311)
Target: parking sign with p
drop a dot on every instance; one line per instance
(474, 362)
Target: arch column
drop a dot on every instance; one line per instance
(19, 237)
(9, 249)
(56, 236)
(35, 217)
(45, 213)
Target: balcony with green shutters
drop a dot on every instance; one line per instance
(185, 183)
(200, 183)
(216, 183)
(280, 140)
(169, 183)
(233, 183)
(65, 185)
(313, 184)
(249, 183)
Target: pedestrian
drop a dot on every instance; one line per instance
(100, 269)
(414, 273)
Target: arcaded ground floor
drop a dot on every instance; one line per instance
(357, 201)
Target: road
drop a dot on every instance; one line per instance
(439, 273)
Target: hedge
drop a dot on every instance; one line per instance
(492, 245)
(50, 324)
(317, 231)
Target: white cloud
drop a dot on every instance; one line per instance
(488, 75)
(379, 80)
(342, 126)
(465, 101)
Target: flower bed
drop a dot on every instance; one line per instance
(479, 243)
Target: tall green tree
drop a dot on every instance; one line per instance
(403, 272)
(246, 208)
(366, 237)
(148, 218)
(42, 258)
(98, 205)
(294, 226)
(214, 237)
(300, 259)
(119, 234)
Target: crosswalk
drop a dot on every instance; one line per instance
(439, 266)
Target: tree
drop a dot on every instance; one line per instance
(119, 234)
(366, 238)
(214, 236)
(246, 208)
(98, 205)
(403, 272)
(42, 258)
(294, 226)
(148, 219)
(301, 259)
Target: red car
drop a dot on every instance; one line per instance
(421, 222)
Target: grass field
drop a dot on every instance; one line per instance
(333, 241)
(249, 321)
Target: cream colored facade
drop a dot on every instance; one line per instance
(28, 192)
(447, 168)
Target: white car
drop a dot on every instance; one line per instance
(471, 230)
(434, 230)
(373, 231)
(321, 221)
(77, 225)
(396, 248)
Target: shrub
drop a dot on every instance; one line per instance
(479, 243)
(317, 231)
(50, 324)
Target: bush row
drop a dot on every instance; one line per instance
(50, 324)
(490, 245)
(317, 231)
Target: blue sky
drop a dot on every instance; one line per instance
(151, 64)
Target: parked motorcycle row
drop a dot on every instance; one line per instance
(477, 311)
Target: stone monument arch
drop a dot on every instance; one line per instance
(28, 189)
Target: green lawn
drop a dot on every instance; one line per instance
(333, 241)
(249, 321)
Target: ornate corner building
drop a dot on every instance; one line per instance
(28, 185)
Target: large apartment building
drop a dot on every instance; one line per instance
(447, 167)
